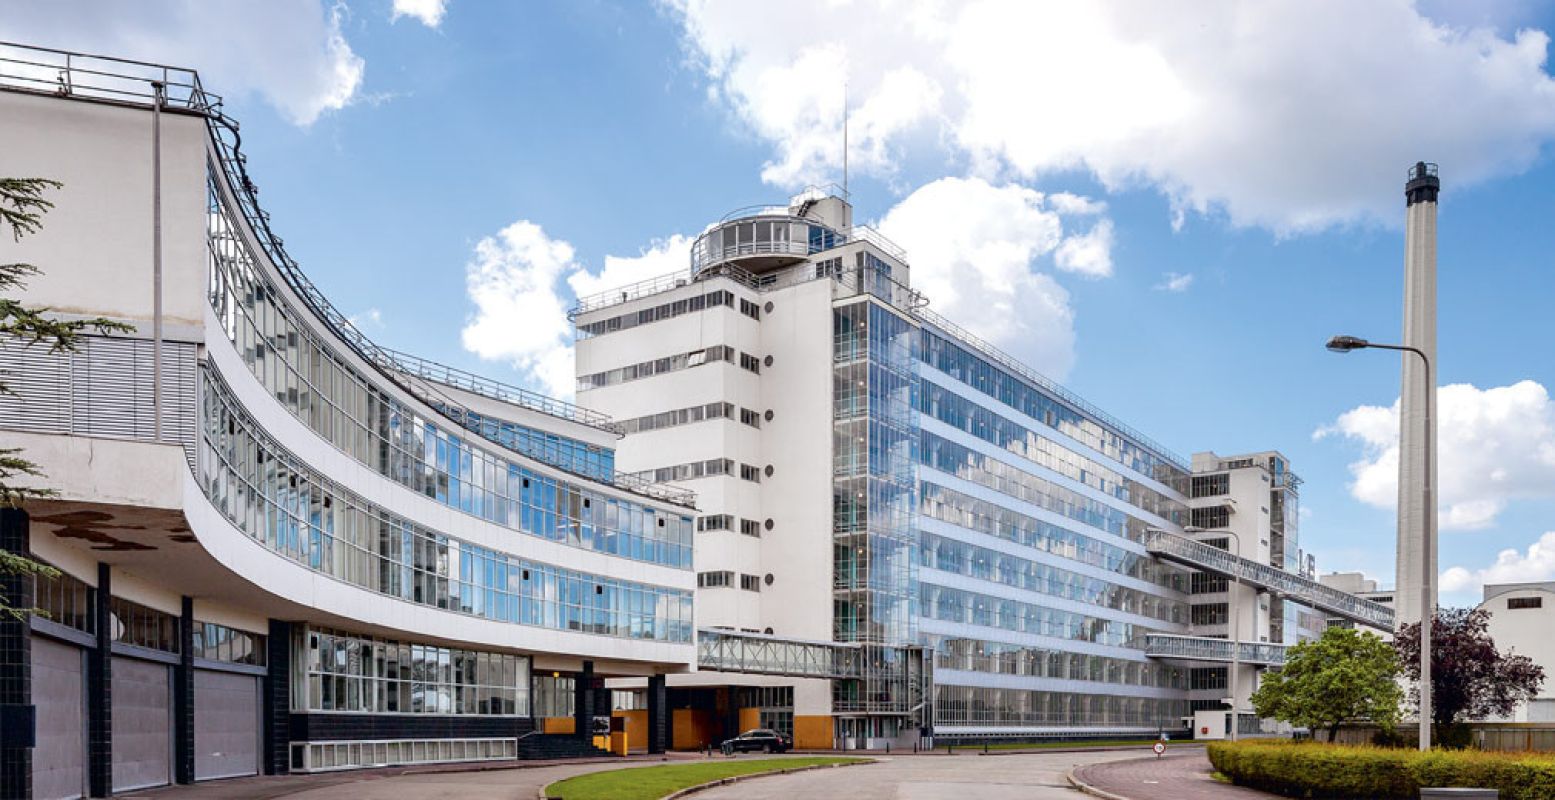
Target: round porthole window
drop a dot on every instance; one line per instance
(769, 630)
(768, 415)
(768, 307)
(769, 523)
(769, 470)
(769, 579)
(767, 361)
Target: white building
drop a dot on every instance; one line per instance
(281, 546)
(872, 474)
(1522, 618)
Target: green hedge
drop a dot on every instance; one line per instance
(1311, 769)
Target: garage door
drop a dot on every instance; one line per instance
(58, 690)
(142, 724)
(226, 724)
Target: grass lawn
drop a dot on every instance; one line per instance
(651, 783)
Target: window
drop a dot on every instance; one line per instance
(715, 580)
(348, 672)
(1206, 583)
(669, 310)
(220, 643)
(677, 417)
(750, 473)
(750, 418)
(135, 624)
(1211, 517)
(1210, 614)
(750, 527)
(1207, 678)
(716, 522)
(65, 600)
(750, 363)
(1525, 602)
(750, 583)
(828, 267)
(750, 309)
(1211, 485)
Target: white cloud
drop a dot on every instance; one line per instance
(1280, 114)
(1175, 282)
(522, 282)
(974, 249)
(1495, 445)
(1089, 254)
(519, 317)
(290, 52)
(1538, 564)
(661, 258)
(372, 317)
(429, 12)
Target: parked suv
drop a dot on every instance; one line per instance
(758, 739)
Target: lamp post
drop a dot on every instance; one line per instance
(1344, 344)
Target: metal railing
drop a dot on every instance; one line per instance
(68, 74)
(1206, 648)
(497, 390)
(1199, 555)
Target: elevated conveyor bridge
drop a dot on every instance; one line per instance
(1208, 558)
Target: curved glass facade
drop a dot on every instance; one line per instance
(423, 454)
(283, 504)
(1003, 658)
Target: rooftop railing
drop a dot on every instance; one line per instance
(1205, 648)
(497, 390)
(1209, 558)
(68, 74)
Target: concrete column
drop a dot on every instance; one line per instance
(583, 701)
(15, 656)
(1419, 331)
(658, 714)
(99, 690)
(277, 733)
(183, 697)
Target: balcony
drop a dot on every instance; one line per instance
(1203, 648)
(1185, 551)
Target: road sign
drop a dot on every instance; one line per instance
(1159, 748)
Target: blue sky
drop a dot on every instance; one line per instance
(1169, 208)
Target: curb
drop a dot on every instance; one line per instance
(1082, 786)
(690, 790)
(1117, 749)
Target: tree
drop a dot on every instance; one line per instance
(1470, 679)
(22, 206)
(1344, 675)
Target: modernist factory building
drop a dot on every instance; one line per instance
(796, 498)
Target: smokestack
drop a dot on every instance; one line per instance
(1419, 331)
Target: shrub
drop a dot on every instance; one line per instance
(1310, 769)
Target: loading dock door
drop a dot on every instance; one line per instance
(226, 724)
(142, 724)
(58, 691)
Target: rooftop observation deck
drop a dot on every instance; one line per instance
(1201, 556)
(63, 73)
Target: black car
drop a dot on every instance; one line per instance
(758, 739)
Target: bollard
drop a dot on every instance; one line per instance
(985, 748)
(888, 748)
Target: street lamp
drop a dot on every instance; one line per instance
(1234, 632)
(1344, 344)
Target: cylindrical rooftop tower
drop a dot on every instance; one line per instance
(1415, 441)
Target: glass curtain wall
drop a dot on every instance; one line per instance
(874, 448)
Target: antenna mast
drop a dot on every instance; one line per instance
(844, 140)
